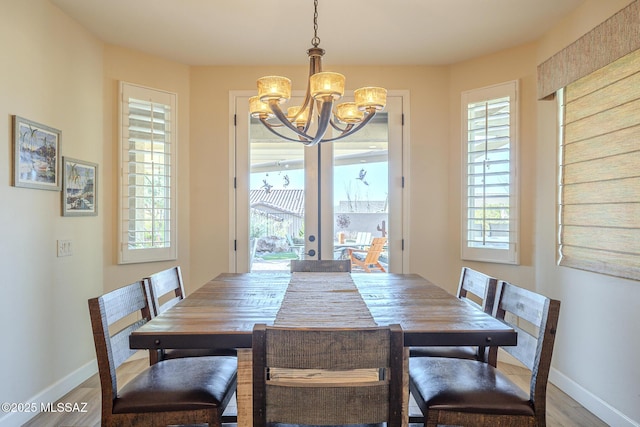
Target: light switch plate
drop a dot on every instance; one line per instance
(64, 248)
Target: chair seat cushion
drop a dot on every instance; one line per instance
(455, 352)
(465, 386)
(179, 384)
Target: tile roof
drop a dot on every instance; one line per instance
(290, 201)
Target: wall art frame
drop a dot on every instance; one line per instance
(79, 187)
(36, 155)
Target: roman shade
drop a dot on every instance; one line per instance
(598, 80)
(600, 171)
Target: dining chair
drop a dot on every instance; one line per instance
(473, 393)
(319, 376)
(180, 391)
(368, 259)
(320, 265)
(478, 290)
(166, 289)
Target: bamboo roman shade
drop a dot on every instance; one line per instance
(600, 171)
(598, 79)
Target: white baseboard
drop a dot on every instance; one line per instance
(50, 394)
(591, 402)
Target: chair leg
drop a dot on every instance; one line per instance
(431, 420)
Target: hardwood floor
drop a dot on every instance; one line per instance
(562, 411)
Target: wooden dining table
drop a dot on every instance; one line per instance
(222, 314)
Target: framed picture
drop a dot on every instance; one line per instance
(79, 188)
(36, 152)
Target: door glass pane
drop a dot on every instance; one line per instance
(276, 199)
(361, 191)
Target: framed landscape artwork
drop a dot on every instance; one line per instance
(36, 153)
(79, 196)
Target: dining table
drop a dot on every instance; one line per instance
(223, 312)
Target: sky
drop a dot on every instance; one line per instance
(373, 186)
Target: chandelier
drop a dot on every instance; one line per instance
(323, 89)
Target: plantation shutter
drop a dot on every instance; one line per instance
(600, 171)
(490, 214)
(148, 180)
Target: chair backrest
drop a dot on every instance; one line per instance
(113, 350)
(327, 376)
(323, 265)
(162, 283)
(480, 285)
(535, 318)
(374, 251)
(363, 238)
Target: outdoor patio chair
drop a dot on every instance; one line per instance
(368, 259)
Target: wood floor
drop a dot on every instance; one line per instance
(561, 409)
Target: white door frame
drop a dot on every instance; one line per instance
(239, 233)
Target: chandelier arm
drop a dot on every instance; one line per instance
(271, 128)
(347, 128)
(275, 108)
(310, 115)
(362, 124)
(307, 102)
(323, 121)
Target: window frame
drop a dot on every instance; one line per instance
(508, 89)
(128, 255)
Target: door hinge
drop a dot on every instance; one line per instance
(235, 245)
(235, 182)
(235, 120)
(402, 244)
(402, 119)
(403, 182)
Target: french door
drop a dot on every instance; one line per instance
(296, 202)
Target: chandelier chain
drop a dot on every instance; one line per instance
(323, 89)
(315, 41)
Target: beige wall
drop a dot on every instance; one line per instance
(513, 64)
(596, 358)
(133, 67)
(56, 73)
(51, 73)
(210, 121)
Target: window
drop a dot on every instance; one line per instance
(489, 197)
(599, 212)
(147, 179)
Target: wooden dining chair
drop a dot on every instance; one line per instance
(368, 259)
(166, 289)
(478, 290)
(320, 266)
(327, 376)
(472, 393)
(180, 391)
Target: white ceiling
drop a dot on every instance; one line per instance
(353, 32)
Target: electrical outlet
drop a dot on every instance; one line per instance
(64, 248)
